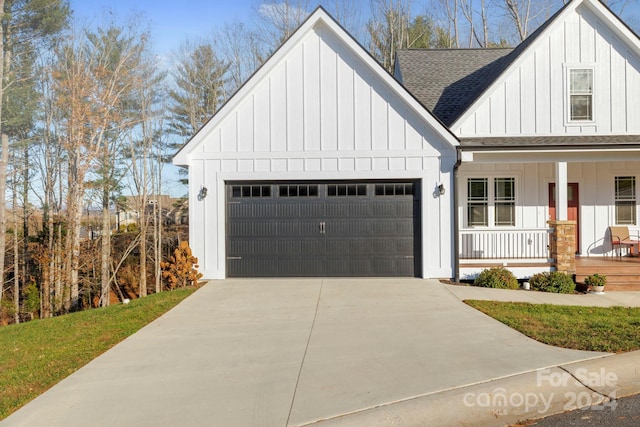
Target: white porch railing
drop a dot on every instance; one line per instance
(504, 244)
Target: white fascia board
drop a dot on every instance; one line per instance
(319, 17)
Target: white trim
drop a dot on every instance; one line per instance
(566, 70)
(612, 205)
(463, 202)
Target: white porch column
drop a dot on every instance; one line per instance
(562, 200)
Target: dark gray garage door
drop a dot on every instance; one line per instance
(323, 229)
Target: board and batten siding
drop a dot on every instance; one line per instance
(531, 98)
(319, 113)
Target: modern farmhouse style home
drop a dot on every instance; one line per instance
(323, 164)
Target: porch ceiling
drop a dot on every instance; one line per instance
(535, 149)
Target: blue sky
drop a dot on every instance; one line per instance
(170, 22)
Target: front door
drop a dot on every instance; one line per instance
(573, 206)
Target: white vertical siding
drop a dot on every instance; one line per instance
(532, 97)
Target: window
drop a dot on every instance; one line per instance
(344, 190)
(398, 189)
(625, 200)
(477, 202)
(581, 94)
(298, 190)
(250, 191)
(505, 201)
(491, 205)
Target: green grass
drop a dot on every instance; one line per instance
(36, 355)
(610, 329)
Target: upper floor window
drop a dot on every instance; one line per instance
(581, 94)
(625, 200)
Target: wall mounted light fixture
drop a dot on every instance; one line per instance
(202, 193)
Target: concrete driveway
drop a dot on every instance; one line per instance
(281, 352)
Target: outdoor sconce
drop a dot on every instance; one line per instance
(441, 189)
(203, 193)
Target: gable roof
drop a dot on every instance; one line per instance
(450, 81)
(318, 18)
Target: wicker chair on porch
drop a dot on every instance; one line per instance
(621, 238)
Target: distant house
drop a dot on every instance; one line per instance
(174, 210)
(323, 164)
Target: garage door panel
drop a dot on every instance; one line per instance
(350, 266)
(350, 227)
(331, 230)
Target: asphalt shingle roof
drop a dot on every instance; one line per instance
(447, 81)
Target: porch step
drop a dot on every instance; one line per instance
(623, 273)
(613, 278)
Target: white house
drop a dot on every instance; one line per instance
(323, 164)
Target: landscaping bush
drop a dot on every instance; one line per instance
(556, 282)
(539, 281)
(497, 277)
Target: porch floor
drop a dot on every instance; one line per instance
(623, 273)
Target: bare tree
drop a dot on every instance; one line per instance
(519, 13)
(140, 154)
(276, 21)
(49, 158)
(24, 24)
(94, 80)
(388, 29)
(450, 10)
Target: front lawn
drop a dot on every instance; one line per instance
(609, 329)
(36, 355)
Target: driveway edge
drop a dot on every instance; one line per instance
(593, 384)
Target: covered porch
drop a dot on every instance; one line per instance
(536, 204)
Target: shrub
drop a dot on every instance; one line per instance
(539, 281)
(182, 268)
(556, 282)
(497, 277)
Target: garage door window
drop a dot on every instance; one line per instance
(397, 189)
(346, 190)
(298, 190)
(238, 191)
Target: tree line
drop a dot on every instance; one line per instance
(89, 113)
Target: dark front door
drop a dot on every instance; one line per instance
(573, 203)
(323, 229)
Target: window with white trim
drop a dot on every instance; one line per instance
(491, 205)
(580, 94)
(477, 202)
(625, 200)
(505, 201)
